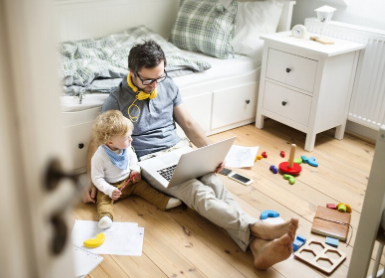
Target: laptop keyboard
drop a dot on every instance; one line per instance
(167, 172)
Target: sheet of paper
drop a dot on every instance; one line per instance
(85, 261)
(123, 238)
(239, 156)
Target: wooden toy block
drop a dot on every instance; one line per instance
(298, 160)
(344, 208)
(289, 167)
(331, 206)
(304, 159)
(264, 154)
(321, 40)
(332, 241)
(290, 178)
(258, 157)
(273, 169)
(269, 213)
(311, 161)
(298, 242)
(320, 256)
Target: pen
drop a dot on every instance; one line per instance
(127, 182)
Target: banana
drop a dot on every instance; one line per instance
(95, 242)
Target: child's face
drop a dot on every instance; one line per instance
(120, 142)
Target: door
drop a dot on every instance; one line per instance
(34, 229)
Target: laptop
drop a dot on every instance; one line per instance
(186, 163)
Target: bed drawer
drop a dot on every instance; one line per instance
(234, 105)
(199, 107)
(79, 137)
(287, 103)
(79, 117)
(292, 70)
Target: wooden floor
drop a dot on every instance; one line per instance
(180, 243)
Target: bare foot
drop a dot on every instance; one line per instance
(266, 230)
(267, 253)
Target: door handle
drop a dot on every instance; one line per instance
(60, 234)
(54, 174)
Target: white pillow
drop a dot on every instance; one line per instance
(254, 19)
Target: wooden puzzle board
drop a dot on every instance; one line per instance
(320, 256)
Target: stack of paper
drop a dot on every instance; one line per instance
(123, 238)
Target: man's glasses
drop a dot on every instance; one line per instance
(150, 81)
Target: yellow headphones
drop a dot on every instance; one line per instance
(139, 96)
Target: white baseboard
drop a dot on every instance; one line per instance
(361, 130)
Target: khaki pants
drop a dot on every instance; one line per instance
(142, 189)
(211, 199)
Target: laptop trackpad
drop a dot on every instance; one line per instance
(169, 158)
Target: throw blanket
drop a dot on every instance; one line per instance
(98, 65)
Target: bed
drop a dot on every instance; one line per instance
(230, 84)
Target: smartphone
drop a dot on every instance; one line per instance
(241, 179)
(225, 172)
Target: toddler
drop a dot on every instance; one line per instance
(114, 168)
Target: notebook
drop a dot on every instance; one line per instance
(330, 222)
(181, 165)
(85, 261)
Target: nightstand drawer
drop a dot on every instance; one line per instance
(287, 103)
(290, 69)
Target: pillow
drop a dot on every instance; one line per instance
(205, 26)
(254, 19)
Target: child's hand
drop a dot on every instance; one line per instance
(136, 177)
(116, 194)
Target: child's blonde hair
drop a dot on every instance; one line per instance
(109, 124)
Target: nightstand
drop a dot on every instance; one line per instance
(306, 85)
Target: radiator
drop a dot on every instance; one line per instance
(367, 105)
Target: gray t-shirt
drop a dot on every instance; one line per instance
(155, 129)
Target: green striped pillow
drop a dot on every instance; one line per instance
(205, 26)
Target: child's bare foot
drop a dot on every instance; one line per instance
(267, 253)
(266, 230)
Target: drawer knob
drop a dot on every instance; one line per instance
(284, 103)
(81, 146)
(288, 70)
(247, 101)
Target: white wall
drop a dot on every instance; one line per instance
(368, 13)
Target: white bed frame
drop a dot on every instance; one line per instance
(209, 102)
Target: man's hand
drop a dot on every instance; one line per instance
(136, 177)
(220, 167)
(116, 194)
(88, 194)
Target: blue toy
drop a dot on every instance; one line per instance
(311, 161)
(304, 159)
(298, 242)
(332, 241)
(269, 213)
(273, 169)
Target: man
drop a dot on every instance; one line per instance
(152, 101)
